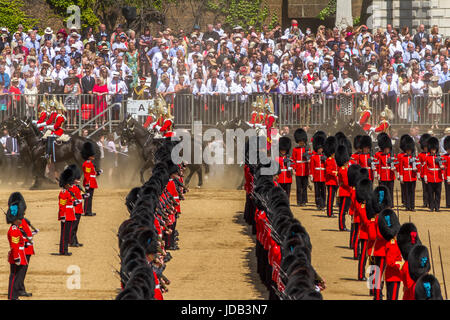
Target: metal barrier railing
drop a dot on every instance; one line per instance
(92, 111)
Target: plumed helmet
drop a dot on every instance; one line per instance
(16, 207)
(418, 261)
(285, 144)
(407, 237)
(300, 135)
(433, 143)
(427, 287)
(388, 224)
(330, 146)
(88, 150)
(365, 142)
(423, 141)
(318, 142)
(341, 156)
(66, 178)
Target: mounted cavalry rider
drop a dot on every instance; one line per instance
(151, 118)
(55, 130)
(365, 113)
(164, 124)
(43, 115)
(269, 121)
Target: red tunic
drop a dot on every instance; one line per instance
(344, 188)
(149, 120)
(383, 127)
(299, 157)
(406, 170)
(447, 167)
(166, 128)
(52, 118)
(431, 169)
(42, 119)
(89, 175)
(421, 157)
(248, 186)
(17, 245)
(360, 211)
(173, 191)
(29, 248)
(66, 209)
(286, 172)
(363, 161)
(75, 189)
(331, 172)
(57, 127)
(364, 121)
(408, 283)
(384, 170)
(157, 293)
(393, 255)
(317, 168)
(376, 243)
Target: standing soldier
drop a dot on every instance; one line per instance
(300, 157)
(78, 205)
(357, 145)
(344, 192)
(16, 255)
(90, 176)
(433, 174)
(447, 171)
(363, 203)
(398, 162)
(352, 178)
(285, 177)
(66, 212)
(317, 171)
(365, 159)
(29, 251)
(385, 164)
(331, 172)
(423, 141)
(408, 172)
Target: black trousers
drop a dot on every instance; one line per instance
(249, 210)
(330, 199)
(319, 193)
(447, 194)
(425, 194)
(402, 191)
(354, 240)
(287, 188)
(410, 194)
(16, 276)
(378, 279)
(302, 189)
(64, 240)
(390, 186)
(344, 205)
(434, 195)
(73, 236)
(88, 202)
(362, 259)
(392, 289)
(22, 284)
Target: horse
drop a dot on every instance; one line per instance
(65, 152)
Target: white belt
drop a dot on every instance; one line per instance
(386, 168)
(69, 207)
(301, 161)
(176, 197)
(21, 248)
(319, 168)
(408, 169)
(93, 175)
(282, 170)
(434, 169)
(157, 286)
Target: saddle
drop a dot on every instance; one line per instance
(62, 139)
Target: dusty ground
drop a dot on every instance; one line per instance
(216, 260)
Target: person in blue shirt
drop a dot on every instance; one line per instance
(4, 77)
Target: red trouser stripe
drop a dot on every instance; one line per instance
(395, 291)
(362, 259)
(330, 205)
(341, 214)
(355, 241)
(378, 278)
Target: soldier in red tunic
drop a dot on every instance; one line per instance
(385, 164)
(357, 145)
(423, 141)
(365, 159)
(43, 116)
(317, 171)
(407, 238)
(89, 176)
(362, 205)
(433, 168)
(76, 189)
(284, 161)
(300, 158)
(447, 171)
(398, 162)
(331, 172)
(66, 213)
(353, 175)
(344, 192)
(17, 239)
(408, 168)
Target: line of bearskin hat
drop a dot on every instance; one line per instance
(137, 235)
(423, 141)
(407, 143)
(87, 150)
(300, 135)
(384, 141)
(330, 146)
(381, 198)
(357, 142)
(388, 224)
(342, 156)
(353, 174)
(365, 142)
(364, 190)
(66, 177)
(427, 287)
(16, 207)
(76, 171)
(433, 143)
(418, 261)
(291, 237)
(285, 144)
(407, 237)
(318, 143)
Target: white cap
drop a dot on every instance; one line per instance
(48, 30)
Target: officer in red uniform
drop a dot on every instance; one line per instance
(300, 159)
(447, 171)
(365, 160)
(331, 172)
(286, 168)
(344, 192)
(362, 205)
(407, 238)
(433, 169)
(317, 171)
(385, 164)
(55, 129)
(398, 162)
(89, 176)
(43, 116)
(78, 191)
(357, 145)
(388, 227)
(66, 213)
(408, 168)
(423, 141)
(17, 239)
(353, 174)
(29, 251)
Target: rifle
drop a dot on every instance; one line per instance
(431, 252)
(443, 276)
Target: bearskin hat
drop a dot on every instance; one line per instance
(418, 261)
(365, 142)
(363, 173)
(285, 144)
(173, 168)
(66, 177)
(423, 141)
(130, 200)
(447, 143)
(388, 224)
(433, 143)
(363, 190)
(342, 156)
(76, 171)
(88, 150)
(16, 207)
(318, 142)
(357, 142)
(330, 146)
(340, 136)
(348, 145)
(427, 287)
(319, 134)
(407, 237)
(402, 142)
(381, 198)
(300, 135)
(353, 174)
(407, 143)
(147, 238)
(384, 141)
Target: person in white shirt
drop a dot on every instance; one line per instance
(305, 90)
(59, 74)
(244, 91)
(199, 91)
(166, 89)
(258, 83)
(390, 90)
(394, 46)
(118, 89)
(362, 85)
(271, 66)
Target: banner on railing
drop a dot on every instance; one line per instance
(139, 107)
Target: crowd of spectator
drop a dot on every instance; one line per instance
(404, 69)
